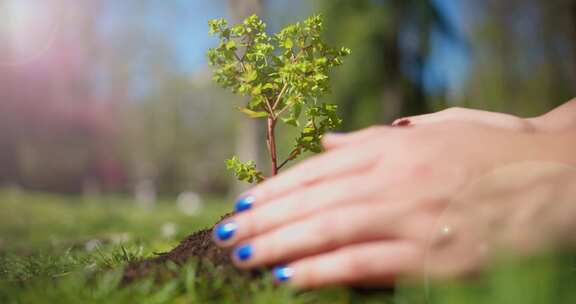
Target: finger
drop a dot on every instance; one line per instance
(451, 114)
(297, 205)
(320, 198)
(329, 165)
(456, 247)
(327, 231)
(334, 141)
(497, 120)
(374, 261)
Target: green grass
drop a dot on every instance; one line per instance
(56, 249)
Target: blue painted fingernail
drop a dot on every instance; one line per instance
(244, 203)
(225, 231)
(243, 253)
(282, 273)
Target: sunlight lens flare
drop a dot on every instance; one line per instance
(27, 29)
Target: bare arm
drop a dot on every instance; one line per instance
(560, 119)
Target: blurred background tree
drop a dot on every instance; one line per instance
(104, 96)
(250, 135)
(523, 56)
(392, 43)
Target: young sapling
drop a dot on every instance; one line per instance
(284, 75)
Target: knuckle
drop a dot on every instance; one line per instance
(404, 143)
(298, 202)
(421, 170)
(434, 206)
(521, 124)
(373, 130)
(355, 263)
(257, 221)
(248, 226)
(420, 227)
(328, 229)
(417, 171)
(454, 110)
(311, 275)
(274, 249)
(325, 224)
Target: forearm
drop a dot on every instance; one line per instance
(560, 119)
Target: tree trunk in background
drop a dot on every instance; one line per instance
(572, 8)
(240, 9)
(383, 78)
(247, 133)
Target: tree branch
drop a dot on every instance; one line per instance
(282, 111)
(269, 108)
(290, 157)
(241, 61)
(284, 88)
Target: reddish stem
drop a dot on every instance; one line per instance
(271, 141)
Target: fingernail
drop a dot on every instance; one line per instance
(244, 203)
(402, 122)
(225, 231)
(282, 273)
(243, 253)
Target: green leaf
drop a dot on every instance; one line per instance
(244, 171)
(257, 90)
(255, 102)
(288, 44)
(250, 75)
(268, 86)
(231, 45)
(290, 121)
(253, 114)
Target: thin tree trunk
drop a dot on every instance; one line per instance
(247, 134)
(271, 141)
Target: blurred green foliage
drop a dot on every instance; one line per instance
(114, 104)
(385, 77)
(521, 56)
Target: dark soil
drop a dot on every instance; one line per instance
(197, 247)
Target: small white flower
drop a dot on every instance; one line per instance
(189, 203)
(169, 230)
(92, 245)
(120, 238)
(91, 267)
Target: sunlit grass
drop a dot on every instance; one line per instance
(58, 249)
(44, 220)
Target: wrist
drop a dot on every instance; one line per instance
(557, 147)
(539, 175)
(560, 119)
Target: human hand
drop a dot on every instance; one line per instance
(559, 119)
(457, 114)
(367, 212)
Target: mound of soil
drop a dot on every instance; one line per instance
(211, 261)
(197, 247)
